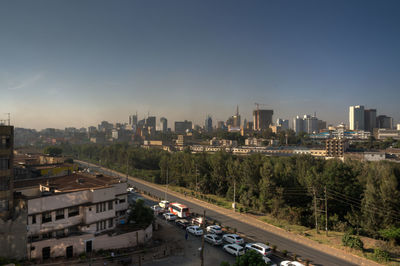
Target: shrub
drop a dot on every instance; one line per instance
(381, 255)
(352, 241)
(234, 230)
(284, 252)
(267, 243)
(274, 247)
(224, 263)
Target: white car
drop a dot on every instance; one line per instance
(214, 229)
(195, 230)
(157, 208)
(233, 239)
(268, 261)
(261, 248)
(130, 190)
(291, 263)
(234, 249)
(213, 239)
(170, 216)
(164, 204)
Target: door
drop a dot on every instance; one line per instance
(89, 246)
(70, 252)
(46, 253)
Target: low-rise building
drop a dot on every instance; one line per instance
(336, 147)
(383, 133)
(68, 215)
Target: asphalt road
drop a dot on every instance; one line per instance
(315, 256)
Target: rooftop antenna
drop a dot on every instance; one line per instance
(237, 110)
(9, 118)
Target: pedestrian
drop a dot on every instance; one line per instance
(186, 235)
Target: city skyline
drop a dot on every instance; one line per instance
(76, 64)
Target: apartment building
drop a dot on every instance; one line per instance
(336, 147)
(66, 215)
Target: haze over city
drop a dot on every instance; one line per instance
(76, 63)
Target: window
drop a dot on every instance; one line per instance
(3, 204)
(110, 223)
(101, 225)
(110, 205)
(46, 217)
(101, 207)
(73, 211)
(4, 163)
(59, 214)
(60, 233)
(121, 200)
(5, 142)
(33, 219)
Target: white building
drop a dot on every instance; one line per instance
(356, 117)
(283, 123)
(69, 215)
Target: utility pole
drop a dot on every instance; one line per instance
(127, 168)
(326, 212)
(234, 194)
(166, 187)
(315, 211)
(202, 238)
(196, 180)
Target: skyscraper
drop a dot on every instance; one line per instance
(208, 124)
(284, 124)
(164, 124)
(356, 117)
(182, 126)
(369, 119)
(384, 121)
(6, 169)
(236, 118)
(133, 120)
(151, 122)
(262, 119)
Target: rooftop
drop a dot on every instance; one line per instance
(70, 183)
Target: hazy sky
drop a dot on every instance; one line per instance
(77, 62)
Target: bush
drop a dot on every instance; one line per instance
(274, 247)
(224, 263)
(381, 255)
(352, 241)
(284, 252)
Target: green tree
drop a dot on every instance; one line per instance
(250, 258)
(140, 214)
(53, 151)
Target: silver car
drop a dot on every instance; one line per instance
(213, 239)
(234, 249)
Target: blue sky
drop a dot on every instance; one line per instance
(77, 62)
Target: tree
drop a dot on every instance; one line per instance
(140, 214)
(250, 258)
(53, 151)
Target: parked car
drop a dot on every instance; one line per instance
(260, 248)
(234, 249)
(164, 204)
(268, 261)
(130, 190)
(195, 230)
(291, 263)
(183, 223)
(197, 220)
(214, 229)
(233, 239)
(213, 239)
(157, 209)
(170, 216)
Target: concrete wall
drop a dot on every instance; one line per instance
(13, 238)
(58, 246)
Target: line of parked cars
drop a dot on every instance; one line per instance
(235, 244)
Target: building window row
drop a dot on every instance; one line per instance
(102, 206)
(4, 163)
(5, 142)
(60, 214)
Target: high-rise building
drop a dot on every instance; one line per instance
(151, 122)
(133, 120)
(284, 124)
(208, 124)
(236, 118)
(298, 124)
(356, 117)
(369, 119)
(182, 126)
(398, 126)
(164, 124)
(262, 119)
(6, 169)
(384, 121)
(310, 124)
